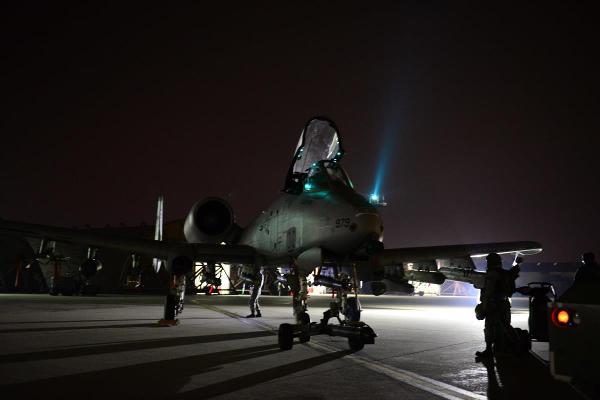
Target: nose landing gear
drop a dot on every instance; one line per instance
(357, 332)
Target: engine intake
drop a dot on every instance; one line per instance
(210, 220)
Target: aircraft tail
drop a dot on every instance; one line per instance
(158, 230)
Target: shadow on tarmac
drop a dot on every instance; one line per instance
(128, 346)
(76, 328)
(156, 379)
(162, 379)
(256, 378)
(523, 377)
(99, 320)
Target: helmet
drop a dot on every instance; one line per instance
(588, 258)
(493, 259)
(479, 312)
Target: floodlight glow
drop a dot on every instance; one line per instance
(385, 157)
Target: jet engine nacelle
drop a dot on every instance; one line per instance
(210, 220)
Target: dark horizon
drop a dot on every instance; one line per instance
(493, 114)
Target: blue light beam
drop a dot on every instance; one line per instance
(383, 162)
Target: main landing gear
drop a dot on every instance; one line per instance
(180, 266)
(357, 332)
(174, 301)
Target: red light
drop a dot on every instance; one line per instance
(563, 317)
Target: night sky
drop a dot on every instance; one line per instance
(488, 116)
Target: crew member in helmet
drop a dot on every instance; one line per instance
(257, 284)
(495, 306)
(586, 282)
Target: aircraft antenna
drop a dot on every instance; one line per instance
(158, 229)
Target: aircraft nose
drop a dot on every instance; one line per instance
(369, 224)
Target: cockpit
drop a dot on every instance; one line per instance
(315, 166)
(325, 174)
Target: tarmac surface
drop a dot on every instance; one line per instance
(111, 347)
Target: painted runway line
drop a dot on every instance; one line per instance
(421, 382)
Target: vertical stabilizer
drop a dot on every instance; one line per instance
(158, 230)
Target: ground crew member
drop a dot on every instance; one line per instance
(586, 282)
(257, 284)
(299, 290)
(495, 306)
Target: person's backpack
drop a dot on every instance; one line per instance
(514, 340)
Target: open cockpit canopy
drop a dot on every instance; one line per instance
(319, 143)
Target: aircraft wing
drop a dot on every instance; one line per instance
(235, 254)
(437, 263)
(417, 254)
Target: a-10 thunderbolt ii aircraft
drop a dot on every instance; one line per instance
(318, 220)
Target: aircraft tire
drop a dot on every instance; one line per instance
(286, 336)
(304, 320)
(356, 343)
(352, 310)
(170, 307)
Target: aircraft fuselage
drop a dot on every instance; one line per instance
(339, 221)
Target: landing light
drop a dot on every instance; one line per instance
(377, 201)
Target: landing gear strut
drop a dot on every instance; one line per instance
(357, 332)
(174, 301)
